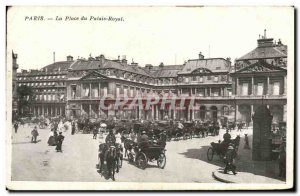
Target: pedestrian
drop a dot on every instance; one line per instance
(95, 132)
(229, 160)
(60, 139)
(73, 128)
(246, 146)
(16, 126)
(282, 160)
(34, 134)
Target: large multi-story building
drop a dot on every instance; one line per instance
(15, 67)
(211, 87)
(260, 78)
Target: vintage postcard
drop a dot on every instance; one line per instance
(150, 98)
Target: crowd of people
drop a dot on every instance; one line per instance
(148, 133)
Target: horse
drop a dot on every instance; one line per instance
(128, 144)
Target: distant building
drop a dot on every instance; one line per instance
(217, 89)
(49, 87)
(15, 67)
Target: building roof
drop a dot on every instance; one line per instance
(61, 65)
(274, 51)
(105, 64)
(166, 71)
(212, 64)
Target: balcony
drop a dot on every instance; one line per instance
(282, 96)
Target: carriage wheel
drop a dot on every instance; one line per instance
(142, 161)
(210, 153)
(161, 161)
(130, 157)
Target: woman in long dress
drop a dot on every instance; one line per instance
(51, 140)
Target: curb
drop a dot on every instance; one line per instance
(220, 179)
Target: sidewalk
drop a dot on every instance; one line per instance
(249, 171)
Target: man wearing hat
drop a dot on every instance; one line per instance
(143, 140)
(34, 134)
(110, 138)
(60, 138)
(229, 158)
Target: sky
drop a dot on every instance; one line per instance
(148, 35)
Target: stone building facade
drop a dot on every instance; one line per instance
(260, 77)
(212, 87)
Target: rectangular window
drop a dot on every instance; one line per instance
(87, 92)
(201, 79)
(186, 80)
(276, 88)
(105, 91)
(208, 77)
(245, 89)
(216, 93)
(260, 88)
(200, 92)
(216, 79)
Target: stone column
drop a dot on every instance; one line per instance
(188, 114)
(51, 111)
(156, 115)
(284, 113)
(55, 111)
(99, 89)
(205, 92)
(191, 92)
(90, 109)
(152, 112)
(252, 85)
(81, 109)
(236, 112)
(193, 113)
(285, 86)
(90, 90)
(268, 85)
(251, 112)
(60, 111)
(210, 91)
(237, 86)
(81, 90)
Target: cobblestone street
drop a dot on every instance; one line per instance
(186, 160)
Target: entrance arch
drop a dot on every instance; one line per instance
(202, 112)
(214, 112)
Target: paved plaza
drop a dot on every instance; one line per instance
(186, 161)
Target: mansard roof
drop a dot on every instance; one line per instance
(274, 51)
(212, 64)
(166, 71)
(58, 66)
(103, 63)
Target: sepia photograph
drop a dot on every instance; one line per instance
(150, 98)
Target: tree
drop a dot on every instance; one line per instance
(25, 98)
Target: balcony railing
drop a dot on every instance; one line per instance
(282, 96)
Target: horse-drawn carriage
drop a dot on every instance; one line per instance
(142, 155)
(220, 148)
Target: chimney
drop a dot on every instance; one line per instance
(201, 56)
(69, 58)
(228, 59)
(23, 71)
(279, 42)
(148, 67)
(124, 59)
(135, 65)
(264, 41)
